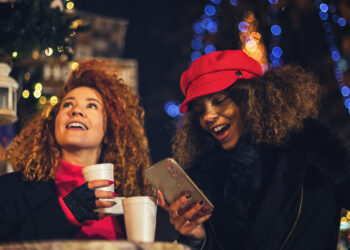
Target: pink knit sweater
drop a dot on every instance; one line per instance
(68, 177)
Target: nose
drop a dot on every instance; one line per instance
(76, 111)
(210, 115)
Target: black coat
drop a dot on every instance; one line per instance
(289, 198)
(30, 211)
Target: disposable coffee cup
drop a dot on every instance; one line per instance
(140, 218)
(102, 171)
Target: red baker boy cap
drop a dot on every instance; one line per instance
(215, 72)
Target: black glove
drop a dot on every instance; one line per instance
(81, 202)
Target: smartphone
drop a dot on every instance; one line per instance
(168, 176)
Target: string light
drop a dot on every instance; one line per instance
(207, 24)
(276, 51)
(25, 94)
(53, 100)
(340, 64)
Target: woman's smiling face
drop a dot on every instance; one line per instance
(221, 117)
(80, 122)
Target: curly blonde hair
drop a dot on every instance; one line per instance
(35, 151)
(271, 106)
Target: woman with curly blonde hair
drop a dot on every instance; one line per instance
(277, 177)
(97, 119)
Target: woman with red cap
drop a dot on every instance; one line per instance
(277, 177)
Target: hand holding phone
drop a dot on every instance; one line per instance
(169, 177)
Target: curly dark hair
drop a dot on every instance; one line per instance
(36, 153)
(271, 107)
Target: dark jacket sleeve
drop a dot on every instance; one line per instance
(331, 154)
(31, 211)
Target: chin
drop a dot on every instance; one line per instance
(229, 145)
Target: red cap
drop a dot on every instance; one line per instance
(215, 72)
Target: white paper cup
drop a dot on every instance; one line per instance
(103, 171)
(140, 218)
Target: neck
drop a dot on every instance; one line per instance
(80, 157)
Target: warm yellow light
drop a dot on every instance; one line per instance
(25, 94)
(74, 25)
(73, 33)
(14, 54)
(37, 93)
(60, 49)
(49, 51)
(255, 35)
(38, 86)
(42, 100)
(27, 76)
(35, 55)
(251, 45)
(53, 100)
(343, 219)
(74, 65)
(70, 5)
(348, 214)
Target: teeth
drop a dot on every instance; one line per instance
(76, 125)
(218, 128)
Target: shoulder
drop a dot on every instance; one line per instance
(13, 184)
(10, 180)
(318, 139)
(319, 145)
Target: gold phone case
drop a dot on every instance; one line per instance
(168, 176)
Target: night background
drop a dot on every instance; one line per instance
(160, 33)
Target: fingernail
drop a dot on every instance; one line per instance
(188, 196)
(115, 195)
(201, 203)
(110, 182)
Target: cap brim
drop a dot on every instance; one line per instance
(202, 88)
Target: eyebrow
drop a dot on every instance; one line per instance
(89, 99)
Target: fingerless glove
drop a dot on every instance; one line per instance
(81, 202)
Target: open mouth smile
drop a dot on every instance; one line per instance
(76, 125)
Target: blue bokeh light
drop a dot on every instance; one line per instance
(234, 2)
(335, 55)
(216, 1)
(172, 109)
(323, 7)
(196, 44)
(197, 28)
(277, 52)
(209, 10)
(342, 21)
(272, 57)
(345, 91)
(243, 26)
(212, 27)
(209, 48)
(195, 55)
(275, 63)
(205, 22)
(347, 102)
(323, 15)
(276, 30)
(273, 1)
